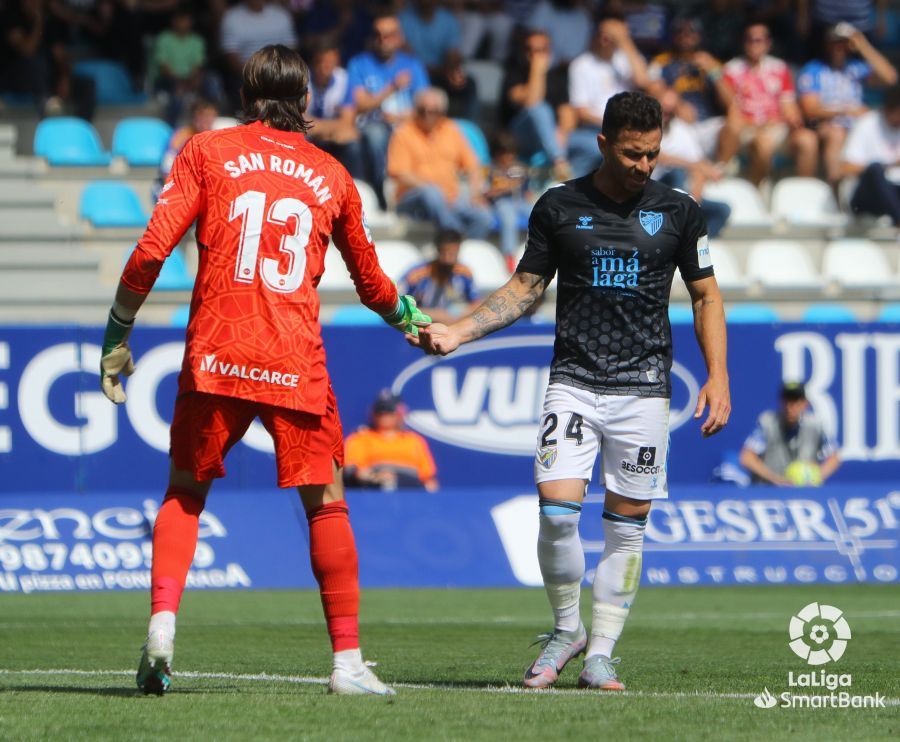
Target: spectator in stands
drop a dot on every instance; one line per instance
(568, 23)
(24, 63)
(815, 17)
(696, 76)
(330, 109)
(682, 164)
(383, 83)
(790, 435)
(426, 156)
(723, 23)
(179, 56)
(764, 114)
(535, 104)
(347, 22)
(483, 24)
(647, 22)
(872, 153)
(443, 288)
(507, 190)
(433, 36)
(203, 116)
(385, 456)
(831, 90)
(613, 65)
(246, 27)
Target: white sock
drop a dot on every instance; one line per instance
(616, 580)
(348, 659)
(164, 622)
(561, 557)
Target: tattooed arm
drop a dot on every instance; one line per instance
(499, 310)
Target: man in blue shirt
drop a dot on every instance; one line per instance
(382, 84)
(443, 285)
(831, 90)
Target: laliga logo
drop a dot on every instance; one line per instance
(489, 395)
(813, 628)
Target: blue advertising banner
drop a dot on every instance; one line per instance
(478, 408)
(703, 535)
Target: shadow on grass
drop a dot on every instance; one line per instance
(110, 692)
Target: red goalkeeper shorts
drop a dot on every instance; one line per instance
(206, 426)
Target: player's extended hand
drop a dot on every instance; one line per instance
(714, 393)
(407, 317)
(437, 340)
(115, 359)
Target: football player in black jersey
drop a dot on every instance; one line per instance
(613, 239)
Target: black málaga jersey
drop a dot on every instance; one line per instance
(615, 264)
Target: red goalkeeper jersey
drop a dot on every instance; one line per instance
(266, 202)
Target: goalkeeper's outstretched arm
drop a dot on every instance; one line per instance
(499, 310)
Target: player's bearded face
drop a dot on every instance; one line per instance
(632, 157)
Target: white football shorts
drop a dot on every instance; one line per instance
(630, 433)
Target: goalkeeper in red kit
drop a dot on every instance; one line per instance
(265, 202)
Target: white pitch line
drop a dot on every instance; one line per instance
(308, 680)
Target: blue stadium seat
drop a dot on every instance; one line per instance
(890, 313)
(354, 314)
(108, 203)
(112, 84)
(180, 316)
(69, 141)
(829, 313)
(751, 313)
(679, 314)
(141, 141)
(174, 275)
(476, 139)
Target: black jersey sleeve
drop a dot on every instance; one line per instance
(541, 257)
(693, 258)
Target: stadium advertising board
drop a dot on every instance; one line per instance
(479, 407)
(704, 535)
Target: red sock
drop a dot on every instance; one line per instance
(174, 543)
(332, 552)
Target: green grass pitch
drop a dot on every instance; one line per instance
(254, 666)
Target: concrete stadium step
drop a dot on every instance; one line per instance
(37, 225)
(54, 258)
(36, 286)
(15, 195)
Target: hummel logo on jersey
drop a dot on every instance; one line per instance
(651, 221)
(585, 222)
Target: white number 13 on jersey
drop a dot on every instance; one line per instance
(251, 207)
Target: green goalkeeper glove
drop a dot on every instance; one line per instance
(115, 358)
(406, 317)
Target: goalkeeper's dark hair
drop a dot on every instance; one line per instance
(275, 88)
(630, 111)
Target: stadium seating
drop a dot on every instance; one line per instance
(375, 217)
(748, 211)
(890, 313)
(681, 314)
(823, 313)
(475, 136)
(486, 263)
(751, 313)
(108, 203)
(69, 141)
(141, 141)
(857, 264)
(180, 316)
(488, 77)
(336, 276)
(397, 257)
(225, 122)
(728, 274)
(174, 275)
(782, 265)
(354, 314)
(112, 84)
(806, 202)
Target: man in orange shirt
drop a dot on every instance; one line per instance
(266, 202)
(386, 456)
(426, 156)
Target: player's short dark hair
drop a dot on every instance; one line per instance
(275, 88)
(892, 98)
(633, 111)
(447, 237)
